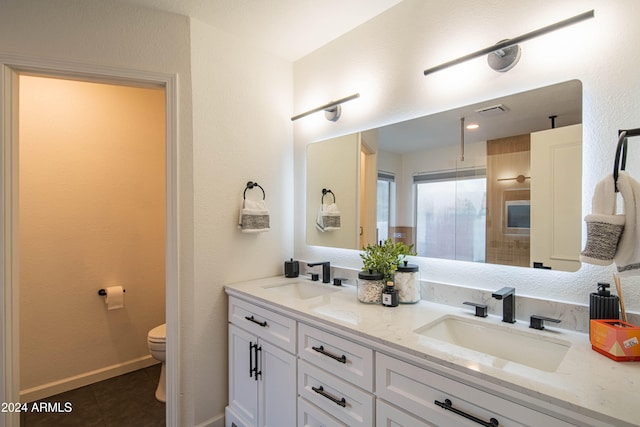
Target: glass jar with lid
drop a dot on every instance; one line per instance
(407, 282)
(370, 286)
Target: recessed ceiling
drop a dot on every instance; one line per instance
(527, 112)
(289, 29)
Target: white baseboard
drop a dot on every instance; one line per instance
(66, 384)
(217, 421)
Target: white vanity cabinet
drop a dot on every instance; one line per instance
(262, 367)
(388, 415)
(291, 367)
(335, 375)
(441, 401)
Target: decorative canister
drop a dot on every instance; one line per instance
(370, 286)
(407, 281)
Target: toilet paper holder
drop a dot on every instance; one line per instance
(103, 292)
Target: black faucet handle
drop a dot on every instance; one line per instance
(481, 309)
(537, 321)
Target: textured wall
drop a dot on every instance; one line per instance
(384, 59)
(107, 34)
(242, 132)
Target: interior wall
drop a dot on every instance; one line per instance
(384, 60)
(242, 132)
(335, 167)
(110, 35)
(92, 215)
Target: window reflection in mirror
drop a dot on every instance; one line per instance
(522, 164)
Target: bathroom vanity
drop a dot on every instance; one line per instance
(309, 354)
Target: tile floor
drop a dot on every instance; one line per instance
(127, 400)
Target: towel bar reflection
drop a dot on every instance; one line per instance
(103, 292)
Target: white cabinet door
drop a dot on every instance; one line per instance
(243, 395)
(276, 386)
(262, 376)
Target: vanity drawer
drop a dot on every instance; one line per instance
(266, 324)
(348, 403)
(343, 358)
(416, 390)
(311, 416)
(388, 415)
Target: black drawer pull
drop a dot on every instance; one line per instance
(320, 390)
(321, 350)
(449, 407)
(263, 324)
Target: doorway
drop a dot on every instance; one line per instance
(114, 322)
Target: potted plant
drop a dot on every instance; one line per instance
(380, 263)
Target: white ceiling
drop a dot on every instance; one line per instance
(289, 29)
(527, 112)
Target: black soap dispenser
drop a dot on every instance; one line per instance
(603, 305)
(291, 268)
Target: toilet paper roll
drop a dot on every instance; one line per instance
(115, 297)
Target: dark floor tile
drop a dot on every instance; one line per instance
(123, 401)
(81, 406)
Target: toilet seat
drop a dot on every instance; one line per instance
(158, 334)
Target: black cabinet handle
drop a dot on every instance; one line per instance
(256, 355)
(320, 390)
(447, 405)
(263, 324)
(321, 350)
(250, 359)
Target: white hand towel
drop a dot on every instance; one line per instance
(328, 217)
(627, 257)
(254, 216)
(604, 227)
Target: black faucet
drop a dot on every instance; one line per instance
(508, 297)
(326, 270)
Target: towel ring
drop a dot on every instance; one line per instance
(325, 192)
(251, 185)
(621, 157)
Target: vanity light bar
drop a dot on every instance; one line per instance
(510, 42)
(330, 107)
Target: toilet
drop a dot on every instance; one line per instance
(157, 341)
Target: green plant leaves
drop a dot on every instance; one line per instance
(385, 257)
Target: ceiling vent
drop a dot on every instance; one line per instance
(493, 110)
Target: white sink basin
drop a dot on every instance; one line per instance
(304, 290)
(530, 349)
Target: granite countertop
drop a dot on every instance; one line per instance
(585, 382)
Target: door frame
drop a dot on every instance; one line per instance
(10, 69)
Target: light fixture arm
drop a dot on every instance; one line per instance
(330, 106)
(510, 42)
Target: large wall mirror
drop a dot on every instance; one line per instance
(499, 181)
